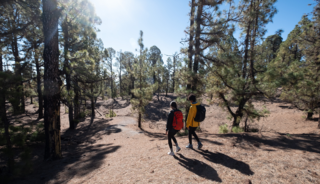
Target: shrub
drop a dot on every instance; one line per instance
(10, 109)
(182, 133)
(253, 130)
(223, 129)
(82, 115)
(36, 104)
(111, 114)
(237, 129)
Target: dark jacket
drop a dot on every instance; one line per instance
(170, 119)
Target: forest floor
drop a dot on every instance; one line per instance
(114, 150)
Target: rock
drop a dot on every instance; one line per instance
(152, 171)
(247, 182)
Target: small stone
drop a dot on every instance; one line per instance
(152, 171)
(248, 182)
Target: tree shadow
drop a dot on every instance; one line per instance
(81, 154)
(160, 136)
(199, 168)
(78, 162)
(226, 161)
(303, 142)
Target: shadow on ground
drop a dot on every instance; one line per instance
(303, 142)
(199, 168)
(226, 161)
(81, 156)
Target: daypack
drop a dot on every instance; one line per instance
(177, 123)
(201, 113)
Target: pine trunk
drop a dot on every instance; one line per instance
(174, 73)
(139, 120)
(310, 114)
(67, 71)
(76, 100)
(197, 42)
(18, 102)
(4, 120)
(319, 121)
(52, 80)
(190, 50)
(40, 97)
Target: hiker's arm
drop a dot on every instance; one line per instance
(169, 121)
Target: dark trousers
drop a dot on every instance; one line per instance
(171, 134)
(192, 131)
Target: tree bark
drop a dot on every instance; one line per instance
(319, 121)
(67, 71)
(310, 114)
(52, 81)
(17, 102)
(76, 100)
(190, 50)
(4, 120)
(174, 73)
(40, 97)
(197, 42)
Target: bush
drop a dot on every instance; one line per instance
(223, 129)
(183, 133)
(10, 109)
(237, 129)
(82, 115)
(20, 136)
(253, 130)
(111, 114)
(36, 104)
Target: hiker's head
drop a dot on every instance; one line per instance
(173, 105)
(192, 98)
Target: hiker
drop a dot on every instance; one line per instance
(192, 125)
(174, 125)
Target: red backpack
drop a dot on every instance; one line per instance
(177, 123)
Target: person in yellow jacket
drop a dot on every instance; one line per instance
(191, 124)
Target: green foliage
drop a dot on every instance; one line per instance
(82, 115)
(223, 129)
(10, 109)
(111, 114)
(183, 133)
(237, 129)
(36, 104)
(21, 137)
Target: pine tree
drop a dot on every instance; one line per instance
(235, 68)
(296, 67)
(52, 81)
(142, 91)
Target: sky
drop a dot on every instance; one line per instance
(163, 22)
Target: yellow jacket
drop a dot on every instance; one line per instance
(192, 115)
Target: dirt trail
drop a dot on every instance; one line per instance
(115, 150)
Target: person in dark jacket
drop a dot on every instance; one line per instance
(170, 131)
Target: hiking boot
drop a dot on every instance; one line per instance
(200, 145)
(171, 153)
(189, 146)
(178, 149)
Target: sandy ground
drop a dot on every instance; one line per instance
(115, 150)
